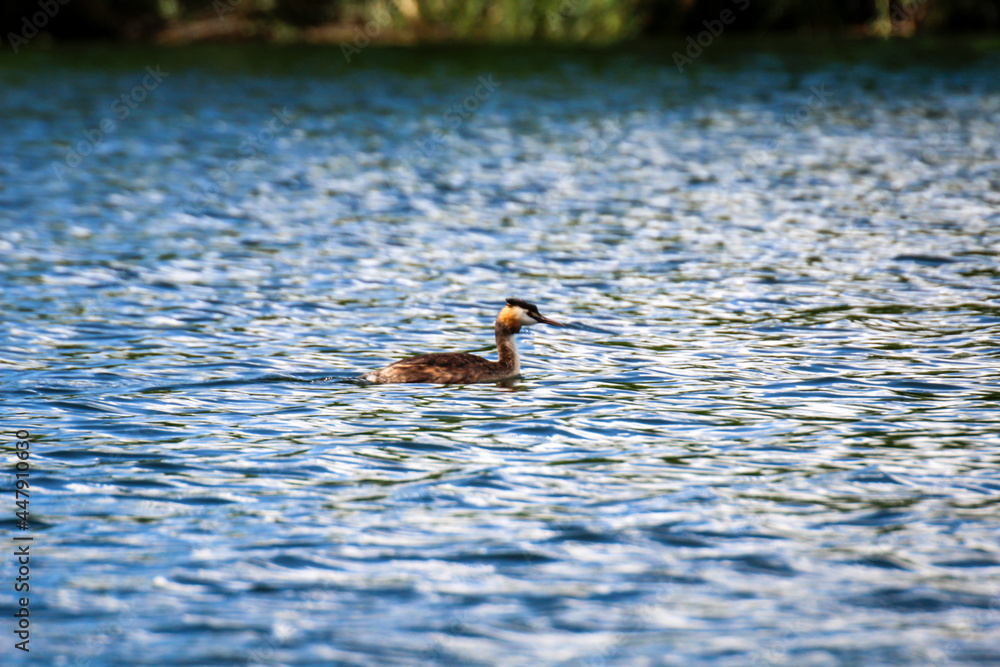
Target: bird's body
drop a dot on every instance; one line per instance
(468, 368)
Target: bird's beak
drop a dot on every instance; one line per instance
(545, 320)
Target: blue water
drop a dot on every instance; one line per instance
(769, 436)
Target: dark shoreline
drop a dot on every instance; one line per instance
(942, 50)
(26, 23)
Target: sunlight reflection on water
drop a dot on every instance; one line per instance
(769, 435)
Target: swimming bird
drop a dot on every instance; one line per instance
(463, 368)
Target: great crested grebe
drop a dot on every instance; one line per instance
(468, 368)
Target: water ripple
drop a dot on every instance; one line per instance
(768, 434)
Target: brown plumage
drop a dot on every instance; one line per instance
(468, 368)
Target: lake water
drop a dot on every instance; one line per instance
(770, 435)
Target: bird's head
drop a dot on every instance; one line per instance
(519, 313)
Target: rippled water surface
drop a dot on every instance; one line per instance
(769, 436)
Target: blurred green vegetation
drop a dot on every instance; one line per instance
(407, 21)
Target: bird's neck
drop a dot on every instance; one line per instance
(507, 349)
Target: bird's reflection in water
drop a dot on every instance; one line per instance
(512, 384)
